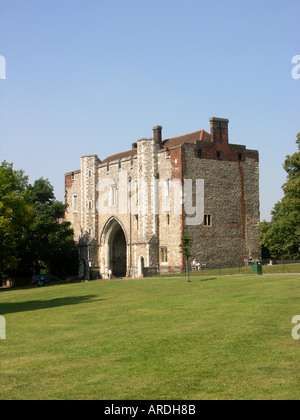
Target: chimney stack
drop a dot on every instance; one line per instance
(219, 129)
(157, 134)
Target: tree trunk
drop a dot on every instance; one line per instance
(187, 270)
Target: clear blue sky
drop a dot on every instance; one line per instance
(93, 76)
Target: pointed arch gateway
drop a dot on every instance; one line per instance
(113, 249)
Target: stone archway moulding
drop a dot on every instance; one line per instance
(112, 226)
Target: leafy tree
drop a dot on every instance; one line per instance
(49, 240)
(12, 180)
(281, 236)
(185, 246)
(15, 217)
(33, 233)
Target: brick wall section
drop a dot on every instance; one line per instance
(232, 200)
(228, 152)
(73, 187)
(243, 210)
(170, 169)
(178, 161)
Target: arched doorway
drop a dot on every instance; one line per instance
(118, 254)
(113, 249)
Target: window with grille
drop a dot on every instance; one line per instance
(168, 219)
(207, 220)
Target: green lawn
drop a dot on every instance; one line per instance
(226, 337)
(267, 269)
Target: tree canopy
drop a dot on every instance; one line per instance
(33, 234)
(281, 236)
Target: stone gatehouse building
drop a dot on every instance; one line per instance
(129, 210)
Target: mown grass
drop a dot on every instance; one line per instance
(266, 269)
(215, 338)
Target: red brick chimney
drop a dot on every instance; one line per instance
(219, 129)
(157, 133)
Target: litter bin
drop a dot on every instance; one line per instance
(257, 267)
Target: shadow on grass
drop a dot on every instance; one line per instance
(37, 305)
(206, 279)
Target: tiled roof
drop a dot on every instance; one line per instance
(201, 135)
(119, 156)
